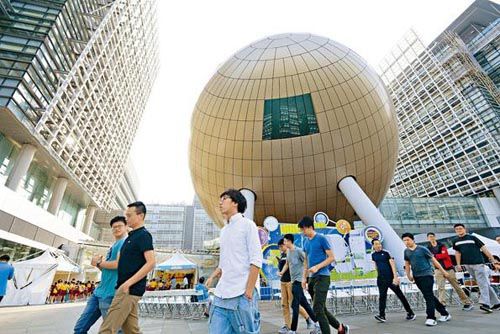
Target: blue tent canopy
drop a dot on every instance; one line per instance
(176, 262)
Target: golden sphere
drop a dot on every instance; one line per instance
(288, 117)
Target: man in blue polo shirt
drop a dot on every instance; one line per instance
(6, 273)
(319, 256)
(99, 302)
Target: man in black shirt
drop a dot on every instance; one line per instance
(387, 279)
(286, 293)
(136, 260)
(468, 252)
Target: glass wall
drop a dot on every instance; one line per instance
(432, 212)
(70, 211)
(36, 186)
(16, 251)
(289, 117)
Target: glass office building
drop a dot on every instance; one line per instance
(180, 226)
(422, 215)
(75, 76)
(447, 101)
(204, 228)
(167, 223)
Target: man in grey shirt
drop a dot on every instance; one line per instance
(295, 262)
(420, 260)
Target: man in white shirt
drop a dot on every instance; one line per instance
(235, 307)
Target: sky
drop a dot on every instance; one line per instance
(195, 37)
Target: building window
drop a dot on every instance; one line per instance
(289, 117)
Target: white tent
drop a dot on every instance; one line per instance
(33, 278)
(176, 262)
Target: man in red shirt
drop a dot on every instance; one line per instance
(441, 254)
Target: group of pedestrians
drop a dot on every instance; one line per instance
(169, 284)
(307, 268)
(424, 265)
(234, 308)
(70, 291)
(235, 305)
(123, 279)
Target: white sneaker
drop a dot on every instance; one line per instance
(445, 318)
(316, 330)
(283, 330)
(292, 332)
(431, 322)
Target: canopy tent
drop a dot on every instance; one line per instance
(177, 262)
(33, 278)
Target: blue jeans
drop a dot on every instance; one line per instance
(96, 307)
(235, 315)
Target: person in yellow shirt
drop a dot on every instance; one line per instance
(153, 285)
(63, 290)
(160, 285)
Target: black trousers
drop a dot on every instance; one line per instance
(299, 300)
(318, 289)
(383, 286)
(425, 284)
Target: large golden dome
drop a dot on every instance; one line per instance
(288, 117)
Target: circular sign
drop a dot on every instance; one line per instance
(343, 226)
(321, 217)
(263, 236)
(372, 232)
(271, 223)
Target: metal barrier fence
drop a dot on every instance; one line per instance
(172, 307)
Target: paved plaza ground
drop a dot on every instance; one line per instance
(59, 319)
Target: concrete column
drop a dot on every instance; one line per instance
(496, 192)
(250, 197)
(21, 166)
(89, 218)
(57, 195)
(370, 215)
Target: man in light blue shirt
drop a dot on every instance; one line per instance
(6, 273)
(99, 302)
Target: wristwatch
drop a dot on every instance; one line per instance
(98, 264)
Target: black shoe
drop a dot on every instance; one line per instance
(410, 316)
(380, 318)
(496, 307)
(486, 308)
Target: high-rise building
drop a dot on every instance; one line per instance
(168, 224)
(74, 79)
(447, 101)
(180, 226)
(204, 228)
